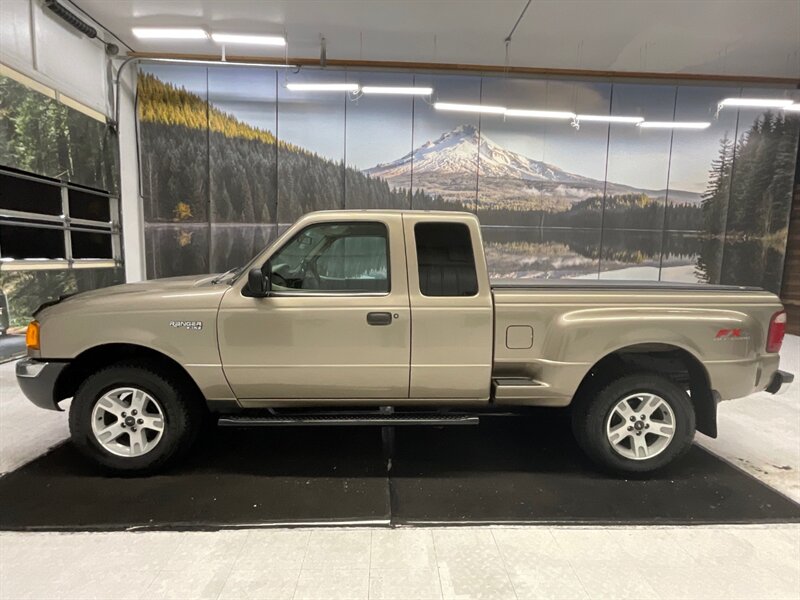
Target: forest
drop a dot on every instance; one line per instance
(201, 164)
(43, 136)
(747, 202)
(753, 199)
(620, 211)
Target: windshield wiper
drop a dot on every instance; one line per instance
(219, 278)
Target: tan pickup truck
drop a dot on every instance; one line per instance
(389, 318)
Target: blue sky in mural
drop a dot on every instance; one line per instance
(692, 151)
(379, 128)
(249, 94)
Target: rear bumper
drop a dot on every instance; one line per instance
(780, 382)
(37, 380)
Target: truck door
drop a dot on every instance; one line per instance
(451, 308)
(337, 323)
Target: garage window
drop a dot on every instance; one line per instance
(45, 223)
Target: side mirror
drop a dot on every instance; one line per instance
(257, 283)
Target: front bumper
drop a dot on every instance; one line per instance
(37, 380)
(780, 382)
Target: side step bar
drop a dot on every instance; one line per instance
(347, 420)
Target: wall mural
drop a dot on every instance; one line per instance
(231, 156)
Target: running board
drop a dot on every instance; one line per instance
(349, 420)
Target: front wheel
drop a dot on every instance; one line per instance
(134, 418)
(634, 424)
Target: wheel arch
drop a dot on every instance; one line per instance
(672, 361)
(93, 359)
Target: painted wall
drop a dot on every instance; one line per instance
(229, 155)
(40, 45)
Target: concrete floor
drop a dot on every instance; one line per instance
(761, 434)
(11, 346)
(493, 562)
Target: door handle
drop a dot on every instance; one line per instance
(379, 318)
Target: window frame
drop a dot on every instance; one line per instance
(66, 225)
(330, 293)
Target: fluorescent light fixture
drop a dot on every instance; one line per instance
(675, 124)
(220, 63)
(539, 114)
(322, 87)
(610, 119)
(165, 33)
(252, 40)
(406, 91)
(475, 108)
(795, 107)
(756, 102)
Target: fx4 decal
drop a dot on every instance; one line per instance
(730, 334)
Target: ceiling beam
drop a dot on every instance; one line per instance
(490, 69)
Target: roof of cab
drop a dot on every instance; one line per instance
(378, 211)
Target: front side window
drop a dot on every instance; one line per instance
(334, 257)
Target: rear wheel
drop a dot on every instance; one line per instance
(134, 418)
(634, 424)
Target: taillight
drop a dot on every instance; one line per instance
(777, 329)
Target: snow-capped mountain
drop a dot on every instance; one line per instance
(461, 150)
(447, 166)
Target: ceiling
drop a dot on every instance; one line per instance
(714, 37)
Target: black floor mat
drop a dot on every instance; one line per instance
(523, 471)
(505, 470)
(237, 477)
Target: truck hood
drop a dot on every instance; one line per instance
(200, 289)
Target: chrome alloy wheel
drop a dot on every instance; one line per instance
(127, 422)
(640, 426)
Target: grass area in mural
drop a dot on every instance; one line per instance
(203, 166)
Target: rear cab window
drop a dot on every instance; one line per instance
(445, 259)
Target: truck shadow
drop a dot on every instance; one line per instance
(540, 442)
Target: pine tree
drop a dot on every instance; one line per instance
(715, 198)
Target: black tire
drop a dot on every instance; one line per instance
(183, 416)
(591, 410)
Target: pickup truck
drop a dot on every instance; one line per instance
(389, 318)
